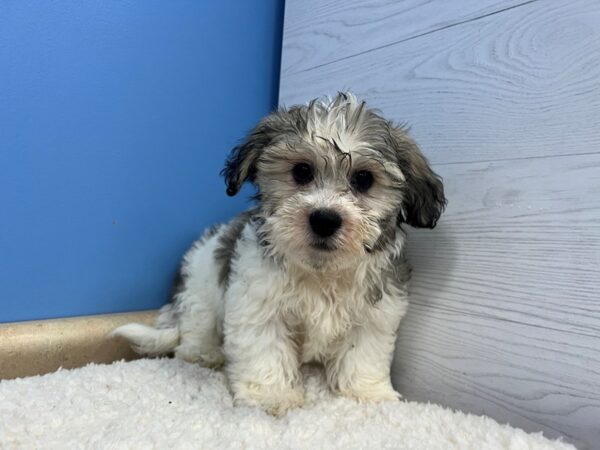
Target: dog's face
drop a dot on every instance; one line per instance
(335, 180)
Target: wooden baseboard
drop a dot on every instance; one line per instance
(39, 347)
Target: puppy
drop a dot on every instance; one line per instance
(316, 271)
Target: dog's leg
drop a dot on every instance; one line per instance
(262, 359)
(200, 340)
(360, 367)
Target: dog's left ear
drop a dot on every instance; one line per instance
(424, 199)
(241, 163)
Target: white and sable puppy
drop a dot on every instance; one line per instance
(316, 271)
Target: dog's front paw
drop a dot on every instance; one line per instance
(376, 392)
(275, 401)
(211, 358)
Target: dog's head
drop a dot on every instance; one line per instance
(335, 180)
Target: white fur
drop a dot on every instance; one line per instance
(147, 340)
(352, 339)
(258, 314)
(195, 318)
(169, 404)
(288, 298)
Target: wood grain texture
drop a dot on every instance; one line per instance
(521, 83)
(505, 311)
(505, 301)
(317, 32)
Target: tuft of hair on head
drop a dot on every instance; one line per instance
(341, 110)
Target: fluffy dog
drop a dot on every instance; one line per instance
(316, 271)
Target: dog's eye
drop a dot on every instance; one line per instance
(303, 173)
(362, 180)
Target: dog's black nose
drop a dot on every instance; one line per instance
(325, 222)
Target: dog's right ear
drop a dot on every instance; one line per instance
(241, 163)
(424, 199)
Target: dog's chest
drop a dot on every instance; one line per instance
(323, 318)
(320, 338)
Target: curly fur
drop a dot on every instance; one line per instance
(263, 294)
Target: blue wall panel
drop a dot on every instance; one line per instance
(115, 119)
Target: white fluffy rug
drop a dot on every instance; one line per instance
(164, 403)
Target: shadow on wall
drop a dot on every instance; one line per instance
(431, 254)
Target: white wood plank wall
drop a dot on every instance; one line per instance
(504, 98)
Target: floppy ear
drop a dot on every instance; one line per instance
(424, 199)
(241, 163)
